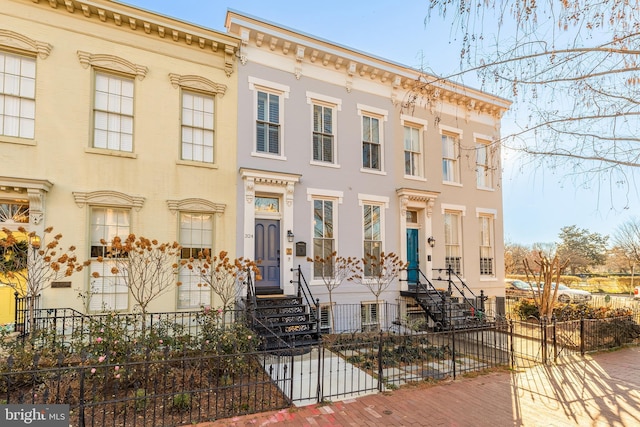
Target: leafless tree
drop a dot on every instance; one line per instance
(548, 271)
(333, 270)
(514, 256)
(147, 267)
(572, 70)
(30, 263)
(377, 272)
(222, 274)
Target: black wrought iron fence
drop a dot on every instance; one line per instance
(175, 378)
(21, 310)
(144, 392)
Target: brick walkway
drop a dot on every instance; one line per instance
(600, 390)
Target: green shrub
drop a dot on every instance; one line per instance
(181, 402)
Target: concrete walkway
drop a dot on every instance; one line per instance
(305, 368)
(600, 390)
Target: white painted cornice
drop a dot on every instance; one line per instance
(398, 79)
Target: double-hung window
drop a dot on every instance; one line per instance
(484, 168)
(372, 220)
(323, 134)
(324, 127)
(268, 128)
(450, 161)
(486, 245)
(197, 127)
(369, 317)
(196, 236)
(17, 95)
(323, 238)
(113, 112)
(109, 289)
(412, 152)
(371, 149)
(453, 241)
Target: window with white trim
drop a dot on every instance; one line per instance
(195, 236)
(484, 167)
(450, 158)
(372, 232)
(453, 241)
(17, 95)
(109, 290)
(113, 112)
(323, 133)
(412, 151)
(486, 245)
(371, 143)
(197, 127)
(268, 123)
(323, 237)
(326, 318)
(369, 317)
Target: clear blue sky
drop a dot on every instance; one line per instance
(537, 204)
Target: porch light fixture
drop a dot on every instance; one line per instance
(431, 241)
(290, 236)
(34, 242)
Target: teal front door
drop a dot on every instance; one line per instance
(412, 255)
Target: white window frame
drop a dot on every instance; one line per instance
(420, 125)
(487, 244)
(454, 244)
(484, 171)
(191, 281)
(374, 201)
(450, 154)
(17, 95)
(314, 100)
(119, 286)
(333, 239)
(257, 85)
(199, 122)
(326, 317)
(370, 321)
(382, 116)
(314, 194)
(116, 119)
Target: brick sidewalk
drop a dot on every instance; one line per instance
(599, 390)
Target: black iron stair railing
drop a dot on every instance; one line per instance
(475, 303)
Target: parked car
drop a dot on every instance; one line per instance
(518, 288)
(636, 292)
(566, 294)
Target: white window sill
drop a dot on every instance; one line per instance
(114, 153)
(373, 171)
(452, 183)
(415, 178)
(488, 278)
(486, 189)
(196, 164)
(16, 140)
(324, 164)
(268, 156)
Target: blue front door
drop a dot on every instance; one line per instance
(267, 238)
(412, 255)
